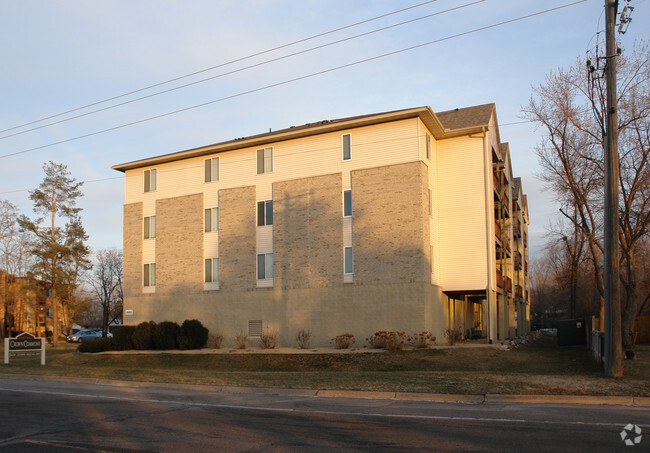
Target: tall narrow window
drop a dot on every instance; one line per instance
(264, 160)
(150, 182)
(265, 266)
(265, 213)
(347, 203)
(348, 267)
(211, 220)
(347, 147)
(212, 270)
(428, 146)
(211, 169)
(149, 274)
(150, 227)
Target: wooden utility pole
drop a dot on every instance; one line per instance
(613, 360)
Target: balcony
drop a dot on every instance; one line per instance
(519, 291)
(518, 261)
(499, 279)
(516, 228)
(497, 230)
(525, 239)
(508, 284)
(526, 267)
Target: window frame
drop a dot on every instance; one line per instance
(149, 275)
(347, 203)
(346, 146)
(149, 227)
(209, 269)
(209, 169)
(428, 145)
(265, 160)
(348, 260)
(264, 266)
(265, 213)
(208, 219)
(150, 180)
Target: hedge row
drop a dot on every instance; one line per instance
(150, 335)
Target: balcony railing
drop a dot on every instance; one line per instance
(516, 228)
(497, 229)
(518, 261)
(499, 279)
(509, 284)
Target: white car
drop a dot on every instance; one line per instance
(87, 335)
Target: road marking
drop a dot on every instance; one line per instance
(322, 412)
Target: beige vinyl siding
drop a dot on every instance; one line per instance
(372, 146)
(461, 197)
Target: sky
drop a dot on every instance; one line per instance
(62, 55)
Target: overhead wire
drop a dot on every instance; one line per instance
(295, 79)
(311, 49)
(237, 60)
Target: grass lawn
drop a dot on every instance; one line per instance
(540, 368)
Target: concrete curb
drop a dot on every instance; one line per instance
(641, 401)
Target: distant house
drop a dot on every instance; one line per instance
(407, 220)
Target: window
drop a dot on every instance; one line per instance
(347, 203)
(347, 152)
(349, 268)
(265, 213)
(150, 182)
(212, 169)
(149, 274)
(211, 219)
(428, 146)
(212, 270)
(264, 160)
(150, 227)
(265, 266)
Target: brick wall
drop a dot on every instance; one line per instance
(132, 243)
(179, 244)
(391, 224)
(308, 232)
(237, 247)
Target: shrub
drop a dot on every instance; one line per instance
(122, 338)
(192, 335)
(303, 338)
(453, 336)
(143, 334)
(215, 340)
(96, 345)
(269, 340)
(164, 335)
(343, 341)
(240, 340)
(421, 340)
(390, 340)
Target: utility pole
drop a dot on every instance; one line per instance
(613, 360)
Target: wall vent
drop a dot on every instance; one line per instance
(254, 327)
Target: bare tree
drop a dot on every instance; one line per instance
(570, 109)
(106, 281)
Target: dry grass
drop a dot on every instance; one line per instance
(541, 368)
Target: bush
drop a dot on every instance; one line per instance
(421, 340)
(240, 340)
(343, 341)
(269, 340)
(96, 345)
(453, 336)
(192, 335)
(303, 338)
(142, 337)
(393, 341)
(215, 341)
(122, 338)
(164, 335)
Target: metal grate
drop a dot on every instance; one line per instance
(255, 328)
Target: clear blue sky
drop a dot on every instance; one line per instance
(59, 55)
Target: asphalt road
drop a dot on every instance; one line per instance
(64, 416)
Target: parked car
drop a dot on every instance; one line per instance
(87, 335)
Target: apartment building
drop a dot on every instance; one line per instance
(407, 220)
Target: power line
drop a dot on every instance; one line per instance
(241, 69)
(314, 74)
(237, 60)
